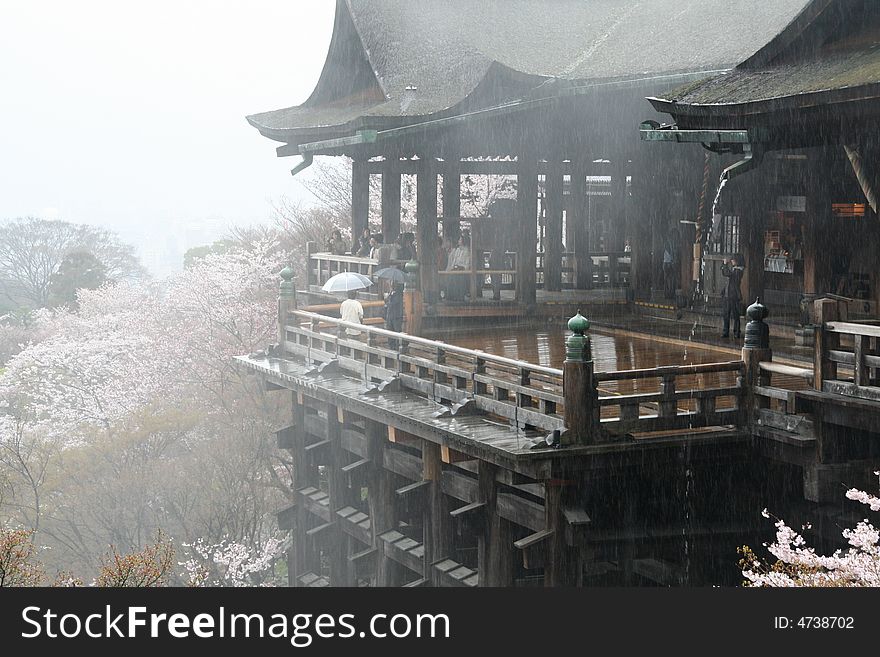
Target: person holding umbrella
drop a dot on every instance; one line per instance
(351, 311)
(394, 312)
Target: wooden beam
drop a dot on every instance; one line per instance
(401, 437)
(360, 197)
(553, 208)
(526, 210)
(390, 204)
(364, 563)
(450, 456)
(322, 532)
(533, 539)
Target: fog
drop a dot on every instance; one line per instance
(131, 116)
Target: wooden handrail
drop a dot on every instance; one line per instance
(326, 256)
(670, 370)
(435, 344)
(853, 328)
(787, 370)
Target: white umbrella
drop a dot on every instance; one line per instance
(346, 281)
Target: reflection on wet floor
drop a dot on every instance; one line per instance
(612, 351)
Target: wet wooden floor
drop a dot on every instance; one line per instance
(612, 351)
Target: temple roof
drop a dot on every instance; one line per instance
(834, 56)
(393, 62)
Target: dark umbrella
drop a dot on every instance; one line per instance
(392, 274)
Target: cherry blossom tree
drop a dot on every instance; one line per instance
(798, 565)
(129, 415)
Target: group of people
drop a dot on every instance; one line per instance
(372, 245)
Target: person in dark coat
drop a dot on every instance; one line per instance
(731, 296)
(394, 312)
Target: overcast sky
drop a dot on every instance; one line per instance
(130, 115)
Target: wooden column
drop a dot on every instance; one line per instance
(495, 544)
(553, 227)
(337, 547)
(451, 197)
(560, 567)
(390, 203)
(583, 264)
(438, 524)
(304, 475)
(382, 503)
(617, 226)
(426, 227)
(527, 231)
(360, 198)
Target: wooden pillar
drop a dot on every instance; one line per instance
(438, 524)
(583, 264)
(526, 208)
(553, 227)
(617, 225)
(495, 544)
(560, 563)
(826, 310)
(426, 228)
(304, 558)
(338, 547)
(390, 203)
(382, 503)
(451, 198)
(360, 198)
(578, 387)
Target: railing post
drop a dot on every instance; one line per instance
(826, 310)
(312, 278)
(286, 303)
(578, 387)
(756, 349)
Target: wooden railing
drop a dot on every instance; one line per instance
(608, 270)
(683, 399)
(324, 265)
(525, 395)
(854, 346)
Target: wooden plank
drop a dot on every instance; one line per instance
(364, 562)
(472, 509)
(314, 506)
(401, 437)
(354, 442)
(675, 370)
(799, 424)
(402, 550)
(326, 531)
(870, 393)
(449, 455)
(533, 539)
(686, 420)
(521, 511)
(402, 463)
(418, 488)
(853, 328)
(458, 486)
(679, 395)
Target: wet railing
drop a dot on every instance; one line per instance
(527, 396)
(682, 401)
(853, 346)
(607, 270)
(524, 394)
